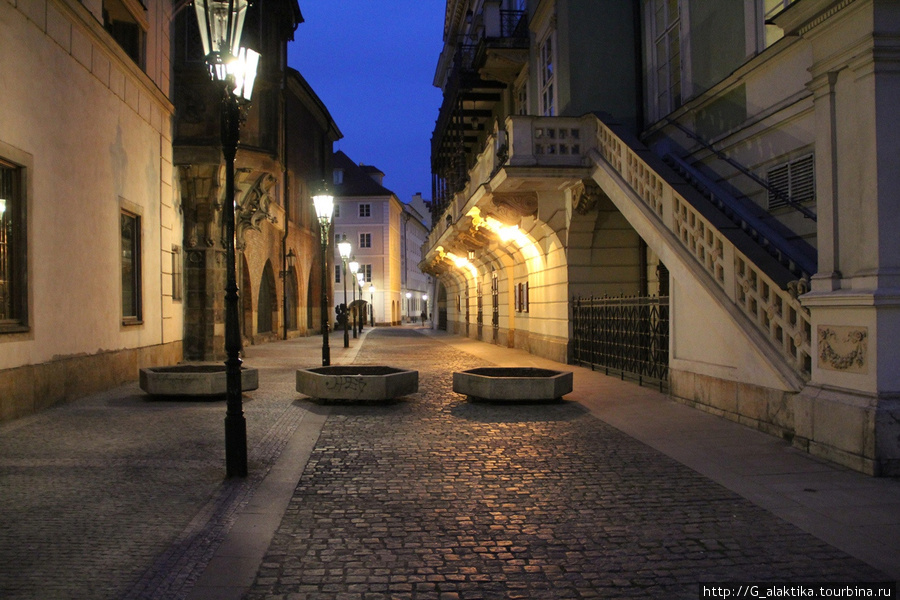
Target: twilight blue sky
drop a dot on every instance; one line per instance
(372, 63)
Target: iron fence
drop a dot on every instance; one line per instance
(627, 336)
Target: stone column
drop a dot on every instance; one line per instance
(204, 269)
(850, 411)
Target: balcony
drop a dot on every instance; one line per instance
(530, 153)
(503, 51)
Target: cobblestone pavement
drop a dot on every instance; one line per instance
(121, 496)
(435, 497)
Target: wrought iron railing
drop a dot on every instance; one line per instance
(626, 336)
(513, 24)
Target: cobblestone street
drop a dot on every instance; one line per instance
(430, 497)
(436, 497)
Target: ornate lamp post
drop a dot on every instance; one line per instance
(408, 296)
(424, 308)
(344, 250)
(360, 280)
(221, 23)
(354, 268)
(324, 203)
(372, 304)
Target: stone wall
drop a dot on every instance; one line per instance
(32, 388)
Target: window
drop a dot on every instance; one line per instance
(131, 267)
(548, 77)
(337, 211)
(367, 270)
(338, 176)
(666, 55)
(365, 240)
(177, 277)
(795, 180)
(522, 297)
(520, 95)
(13, 297)
(365, 210)
(337, 273)
(126, 21)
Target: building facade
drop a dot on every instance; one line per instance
(416, 286)
(90, 224)
(283, 157)
(693, 193)
(368, 215)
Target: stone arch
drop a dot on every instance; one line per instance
(267, 303)
(310, 301)
(292, 300)
(246, 300)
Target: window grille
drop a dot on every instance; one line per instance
(795, 180)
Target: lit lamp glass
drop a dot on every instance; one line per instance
(221, 23)
(2, 206)
(344, 249)
(324, 204)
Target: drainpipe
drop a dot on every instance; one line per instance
(285, 200)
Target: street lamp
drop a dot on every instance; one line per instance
(324, 203)
(424, 308)
(354, 268)
(372, 303)
(408, 296)
(220, 23)
(360, 280)
(344, 250)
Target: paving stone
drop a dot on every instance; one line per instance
(523, 501)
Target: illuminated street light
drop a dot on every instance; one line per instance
(221, 23)
(360, 280)
(372, 303)
(324, 203)
(354, 268)
(344, 250)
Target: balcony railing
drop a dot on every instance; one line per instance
(776, 312)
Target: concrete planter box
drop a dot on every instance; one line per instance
(366, 383)
(512, 384)
(193, 380)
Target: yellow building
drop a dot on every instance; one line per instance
(698, 195)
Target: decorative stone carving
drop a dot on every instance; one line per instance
(585, 196)
(798, 287)
(843, 348)
(510, 207)
(253, 208)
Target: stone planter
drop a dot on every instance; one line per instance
(205, 381)
(512, 384)
(358, 383)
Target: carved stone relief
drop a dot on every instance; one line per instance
(843, 348)
(585, 196)
(509, 208)
(253, 207)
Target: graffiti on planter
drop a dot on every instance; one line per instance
(346, 383)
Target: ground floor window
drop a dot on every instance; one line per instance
(13, 297)
(131, 267)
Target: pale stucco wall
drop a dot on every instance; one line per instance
(93, 133)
